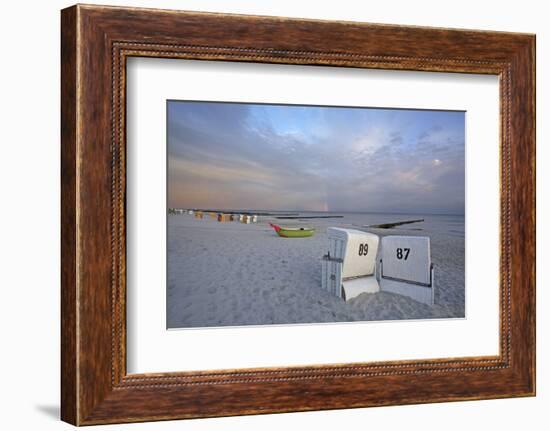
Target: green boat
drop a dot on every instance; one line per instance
(293, 232)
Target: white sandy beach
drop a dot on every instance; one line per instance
(233, 274)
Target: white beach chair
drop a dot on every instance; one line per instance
(406, 267)
(349, 268)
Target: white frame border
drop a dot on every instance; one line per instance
(151, 348)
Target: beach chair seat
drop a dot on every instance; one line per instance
(349, 267)
(406, 267)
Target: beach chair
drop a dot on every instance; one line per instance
(349, 267)
(406, 267)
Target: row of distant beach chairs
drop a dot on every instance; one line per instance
(223, 217)
(354, 265)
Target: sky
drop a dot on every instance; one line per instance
(311, 158)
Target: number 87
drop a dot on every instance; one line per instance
(403, 253)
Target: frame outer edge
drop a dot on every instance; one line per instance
(523, 217)
(531, 82)
(533, 54)
(69, 195)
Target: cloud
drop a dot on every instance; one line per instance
(312, 158)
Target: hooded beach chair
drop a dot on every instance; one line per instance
(406, 267)
(349, 267)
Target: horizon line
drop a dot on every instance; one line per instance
(212, 209)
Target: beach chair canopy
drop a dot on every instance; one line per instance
(356, 248)
(406, 258)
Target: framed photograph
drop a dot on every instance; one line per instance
(263, 214)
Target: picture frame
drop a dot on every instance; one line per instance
(96, 41)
